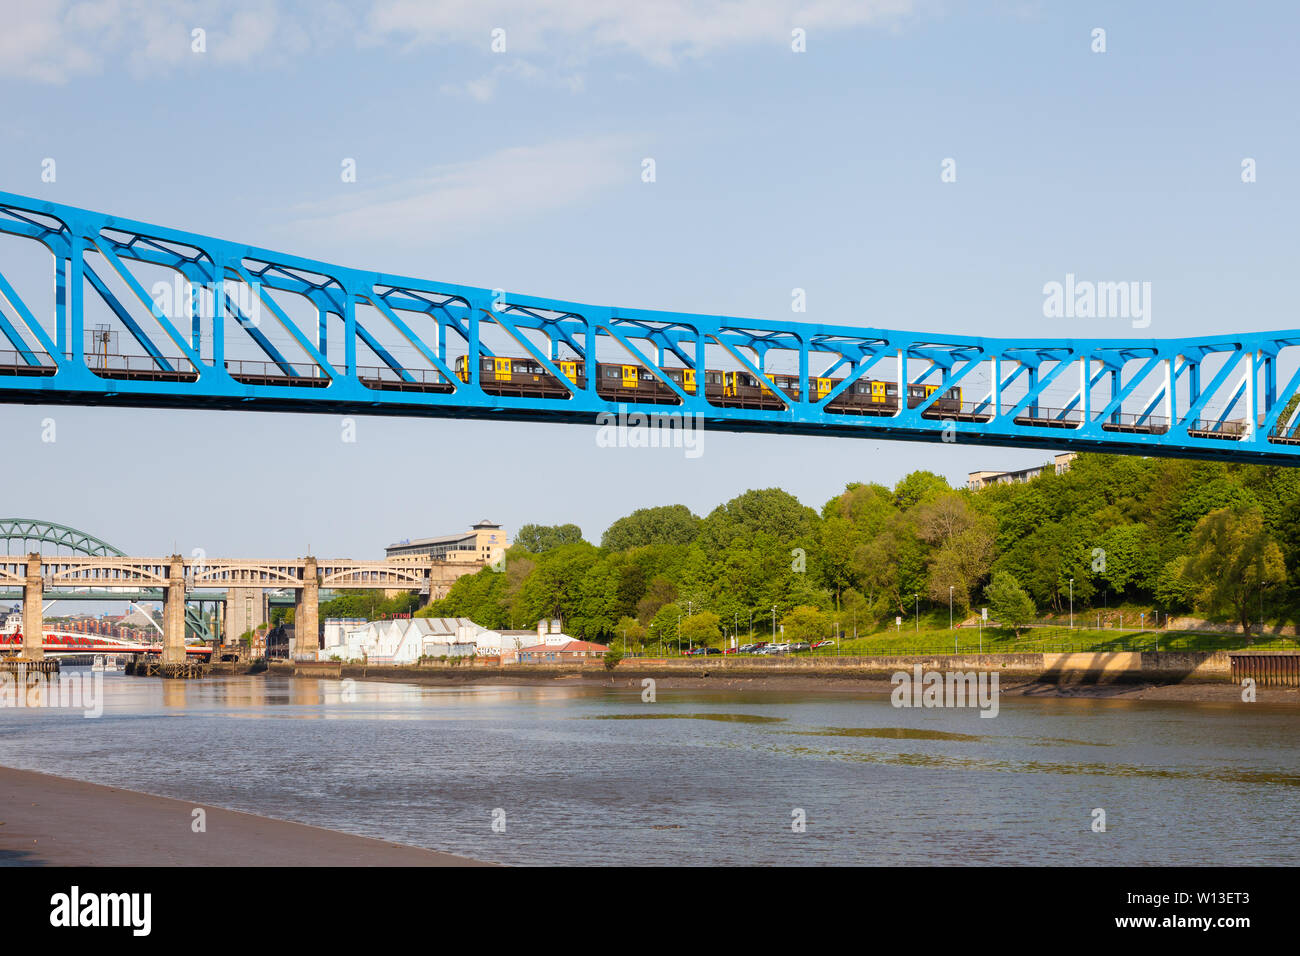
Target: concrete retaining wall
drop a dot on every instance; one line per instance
(1154, 667)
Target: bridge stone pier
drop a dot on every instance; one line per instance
(245, 611)
(177, 577)
(306, 613)
(174, 612)
(33, 610)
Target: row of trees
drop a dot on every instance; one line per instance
(1180, 536)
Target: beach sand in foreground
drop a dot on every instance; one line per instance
(53, 821)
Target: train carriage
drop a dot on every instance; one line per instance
(504, 375)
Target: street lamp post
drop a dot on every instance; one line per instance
(950, 627)
(918, 612)
(773, 623)
(1072, 604)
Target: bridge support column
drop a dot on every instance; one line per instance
(306, 614)
(33, 610)
(245, 611)
(174, 613)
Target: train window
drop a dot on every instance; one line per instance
(713, 378)
(613, 371)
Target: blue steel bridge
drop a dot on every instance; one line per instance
(102, 310)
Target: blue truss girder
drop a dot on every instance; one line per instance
(1212, 397)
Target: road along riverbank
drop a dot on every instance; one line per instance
(54, 821)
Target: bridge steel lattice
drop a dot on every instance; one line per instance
(253, 329)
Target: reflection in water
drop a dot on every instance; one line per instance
(698, 776)
(175, 693)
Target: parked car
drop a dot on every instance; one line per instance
(703, 651)
(817, 644)
(800, 646)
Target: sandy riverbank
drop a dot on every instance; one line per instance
(53, 821)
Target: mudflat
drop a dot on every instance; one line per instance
(54, 821)
(1010, 685)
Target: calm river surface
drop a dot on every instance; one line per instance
(592, 775)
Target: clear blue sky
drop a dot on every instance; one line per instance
(521, 170)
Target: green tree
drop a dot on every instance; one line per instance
(1125, 558)
(670, 524)
(555, 586)
(660, 591)
(918, 487)
(963, 542)
(838, 541)
(1173, 591)
(770, 514)
(1009, 602)
(369, 604)
(597, 610)
(631, 632)
(663, 628)
(701, 629)
(891, 566)
(806, 623)
(539, 539)
(1232, 561)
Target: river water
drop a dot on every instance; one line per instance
(589, 775)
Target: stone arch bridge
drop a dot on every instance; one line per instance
(108, 573)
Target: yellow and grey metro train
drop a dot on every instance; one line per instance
(524, 377)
